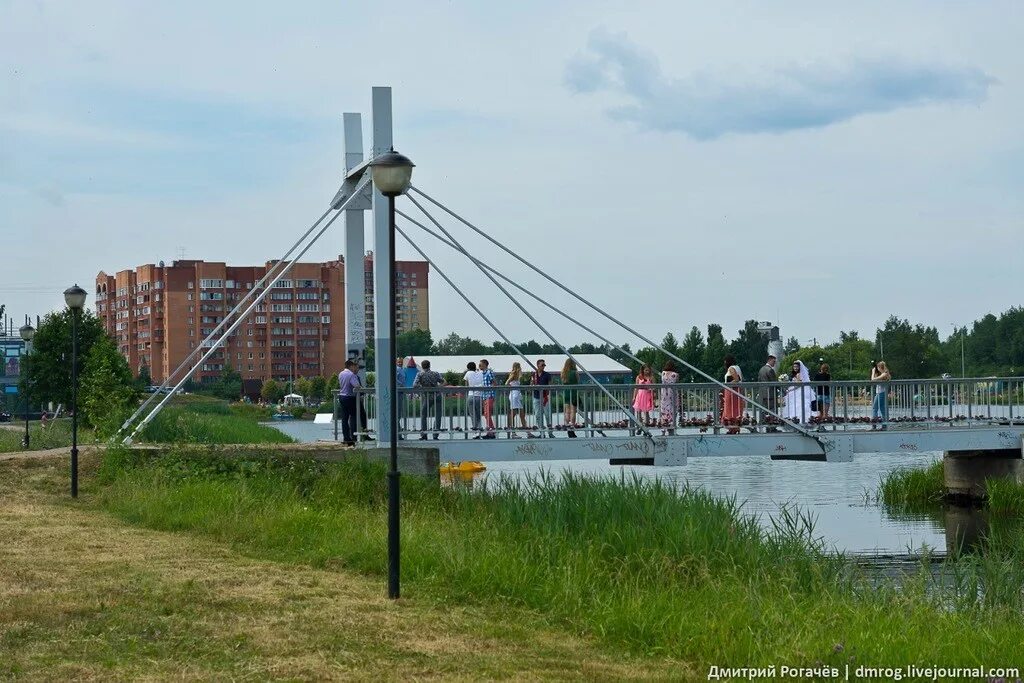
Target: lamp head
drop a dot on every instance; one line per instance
(74, 297)
(392, 173)
(27, 332)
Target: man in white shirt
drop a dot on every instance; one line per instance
(474, 400)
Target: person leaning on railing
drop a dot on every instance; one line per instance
(432, 400)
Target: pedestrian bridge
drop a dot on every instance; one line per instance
(979, 414)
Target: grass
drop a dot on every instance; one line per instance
(83, 596)
(913, 489)
(211, 421)
(1005, 496)
(56, 434)
(649, 570)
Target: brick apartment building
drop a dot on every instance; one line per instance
(412, 300)
(158, 314)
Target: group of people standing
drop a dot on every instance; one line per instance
(805, 398)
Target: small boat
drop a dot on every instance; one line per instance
(282, 416)
(464, 467)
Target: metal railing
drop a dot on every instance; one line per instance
(585, 410)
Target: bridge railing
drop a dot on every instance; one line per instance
(586, 410)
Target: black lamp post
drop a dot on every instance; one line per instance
(27, 332)
(74, 297)
(392, 174)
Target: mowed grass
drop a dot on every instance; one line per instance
(83, 596)
(649, 570)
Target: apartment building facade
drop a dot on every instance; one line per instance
(158, 314)
(412, 298)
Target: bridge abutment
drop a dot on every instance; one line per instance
(965, 472)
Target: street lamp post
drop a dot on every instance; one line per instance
(392, 174)
(74, 297)
(27, 332)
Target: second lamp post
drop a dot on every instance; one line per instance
(74, 297)
(27, 332)
(392, 175)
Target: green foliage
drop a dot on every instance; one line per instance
(332, 385)
(414, 343)
(809, 355)
(227, 387)
(144, 379)
(714, 352)
(455, 345)
(108, 392)
(1005, 496)
(297, 412)
(750, 347)
(56, 434)
(318, 389)
(48, 368)
(303, 387)
(271, 391)
(910, 350)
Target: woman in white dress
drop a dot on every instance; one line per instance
(515, 400)
(799, 395)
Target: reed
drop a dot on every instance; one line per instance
(914, 489)
(56, 434)
(209, 423)
(1005, 496)
(637, 563)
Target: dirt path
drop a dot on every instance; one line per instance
(84, 596)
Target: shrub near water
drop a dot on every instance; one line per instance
(635, 562)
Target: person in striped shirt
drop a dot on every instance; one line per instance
(487, 375)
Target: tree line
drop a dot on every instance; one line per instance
(992, 345)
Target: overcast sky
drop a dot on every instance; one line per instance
(678, 163)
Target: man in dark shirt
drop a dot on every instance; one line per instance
(767, 396)
(541, 402)
(432, 400)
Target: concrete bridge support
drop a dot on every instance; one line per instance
(965, 472)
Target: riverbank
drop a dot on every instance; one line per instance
(86, 596)
(648, 570)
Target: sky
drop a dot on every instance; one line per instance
(822, 165)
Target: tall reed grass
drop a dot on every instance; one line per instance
(634, 562)
(913, 489)
(1005, 496)
(56, 434)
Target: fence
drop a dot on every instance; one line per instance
(530, 412)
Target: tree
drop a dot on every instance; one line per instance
(332, 385)
(49, 364)
(229, 385)
(317, 389)
(108, 392)
(692, 350)
(714, 352)
(144, 378)
(910, 350)
(792, 346)
(272, 392)
(303, 387)
(454, 345)
(750, 347)
(414, 343)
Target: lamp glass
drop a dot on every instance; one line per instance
(74, 297)
(392, 180)
(27, 332)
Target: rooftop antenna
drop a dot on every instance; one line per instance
(180, 252)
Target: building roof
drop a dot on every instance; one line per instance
(594, 362)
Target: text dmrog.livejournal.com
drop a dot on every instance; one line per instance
(850, 672)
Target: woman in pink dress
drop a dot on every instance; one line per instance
(643, 399)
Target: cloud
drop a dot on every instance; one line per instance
(705, 106)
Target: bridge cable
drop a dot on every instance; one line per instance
(271, 273)
(245, 314)
(521, 288)
(615, 320)
(633, 418)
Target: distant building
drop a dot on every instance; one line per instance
(158, 314)
(11, 350)
(605, 369)
(412, 300)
